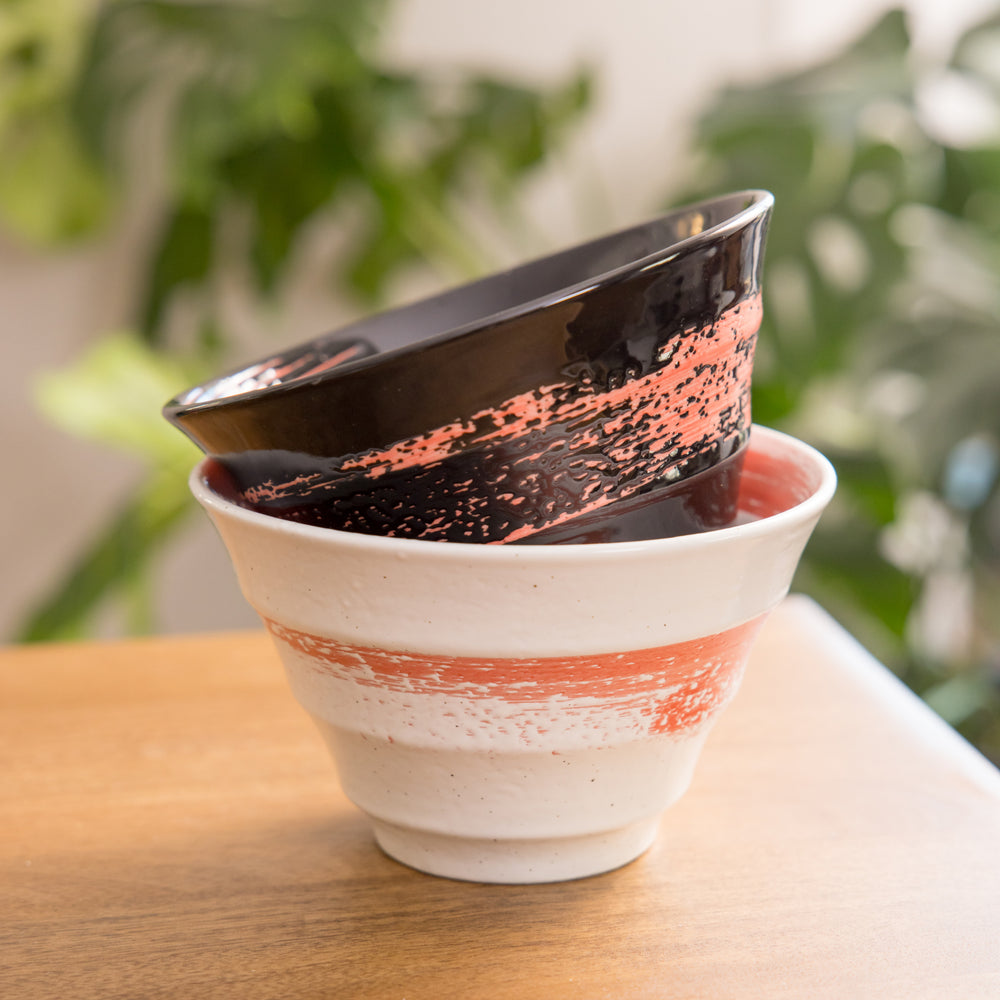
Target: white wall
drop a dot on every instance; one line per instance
(657, 61)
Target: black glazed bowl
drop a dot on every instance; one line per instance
(603, 375)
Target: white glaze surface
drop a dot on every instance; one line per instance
(518, 714)
(515, 601)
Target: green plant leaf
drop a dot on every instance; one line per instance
(50, 192)
(113, 395)
(182, 259)
(116, 564)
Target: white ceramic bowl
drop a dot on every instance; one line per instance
(523, 714)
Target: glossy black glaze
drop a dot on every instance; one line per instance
(561, 336)
(705, 501)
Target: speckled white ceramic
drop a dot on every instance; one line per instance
(523, 714)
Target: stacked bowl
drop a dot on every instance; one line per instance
(513, 542)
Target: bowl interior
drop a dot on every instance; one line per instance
(776, 478)
(779, 474)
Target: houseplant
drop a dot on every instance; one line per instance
(250, 128)
(881, 337)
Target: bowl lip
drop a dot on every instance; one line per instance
(757, 203)
(804, 511)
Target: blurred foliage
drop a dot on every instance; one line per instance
(881, 338)
(267, 120)
(50, 188)
(111, 396)
(250, 125)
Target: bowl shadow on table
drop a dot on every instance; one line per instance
(303, 904)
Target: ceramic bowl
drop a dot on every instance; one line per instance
(513, 713)
(598, 374)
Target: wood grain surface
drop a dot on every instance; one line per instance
(171, 826)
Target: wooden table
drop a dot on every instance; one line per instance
(170, 826)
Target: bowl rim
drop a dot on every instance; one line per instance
(757, 202)
(803, 511)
